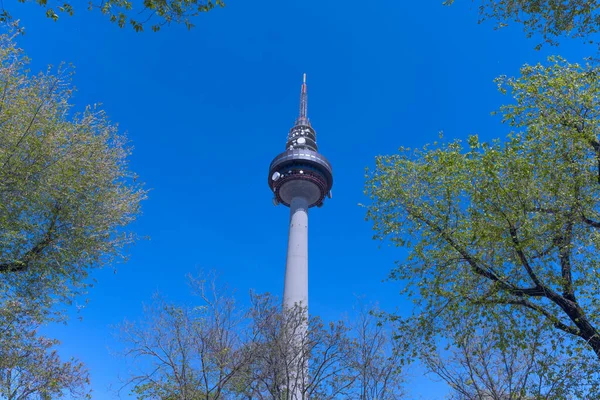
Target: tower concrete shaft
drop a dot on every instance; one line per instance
(295, 297)
(295, 291)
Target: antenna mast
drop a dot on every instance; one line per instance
(303, 116)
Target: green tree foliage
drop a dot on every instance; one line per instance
(137, 14)
(510, 229)
(66, 193)
(548, 18)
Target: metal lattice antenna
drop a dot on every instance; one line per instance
(303, 116)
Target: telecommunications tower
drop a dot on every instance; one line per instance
(300, 178)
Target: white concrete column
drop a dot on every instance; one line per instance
(295, 289)
(295, 292)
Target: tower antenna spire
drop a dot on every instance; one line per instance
(303, 116)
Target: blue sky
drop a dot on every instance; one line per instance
(207, 109)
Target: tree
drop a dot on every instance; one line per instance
(375, 359)
(66, 193)
(66, 196)
(137, 14)
(507, 228)
(490, 362)
(550, 19)
(215, 350)
(293, 363)
(30, 368)
(186, 353)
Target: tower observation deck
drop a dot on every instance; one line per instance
(300, 170)
(300, 178)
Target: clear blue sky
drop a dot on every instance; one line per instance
(207, 110)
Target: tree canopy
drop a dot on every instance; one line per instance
(30, 367)
(66, 193)
(491, 362)
(137, 14)
(216, 349)
(508, 229)
(548, 18)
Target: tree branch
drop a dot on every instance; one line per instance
(527, 304)
(538, 290)
(596, 145)
(564, 255)
(25, 261)
(523, 258)
(590, 222)
(571, 308)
